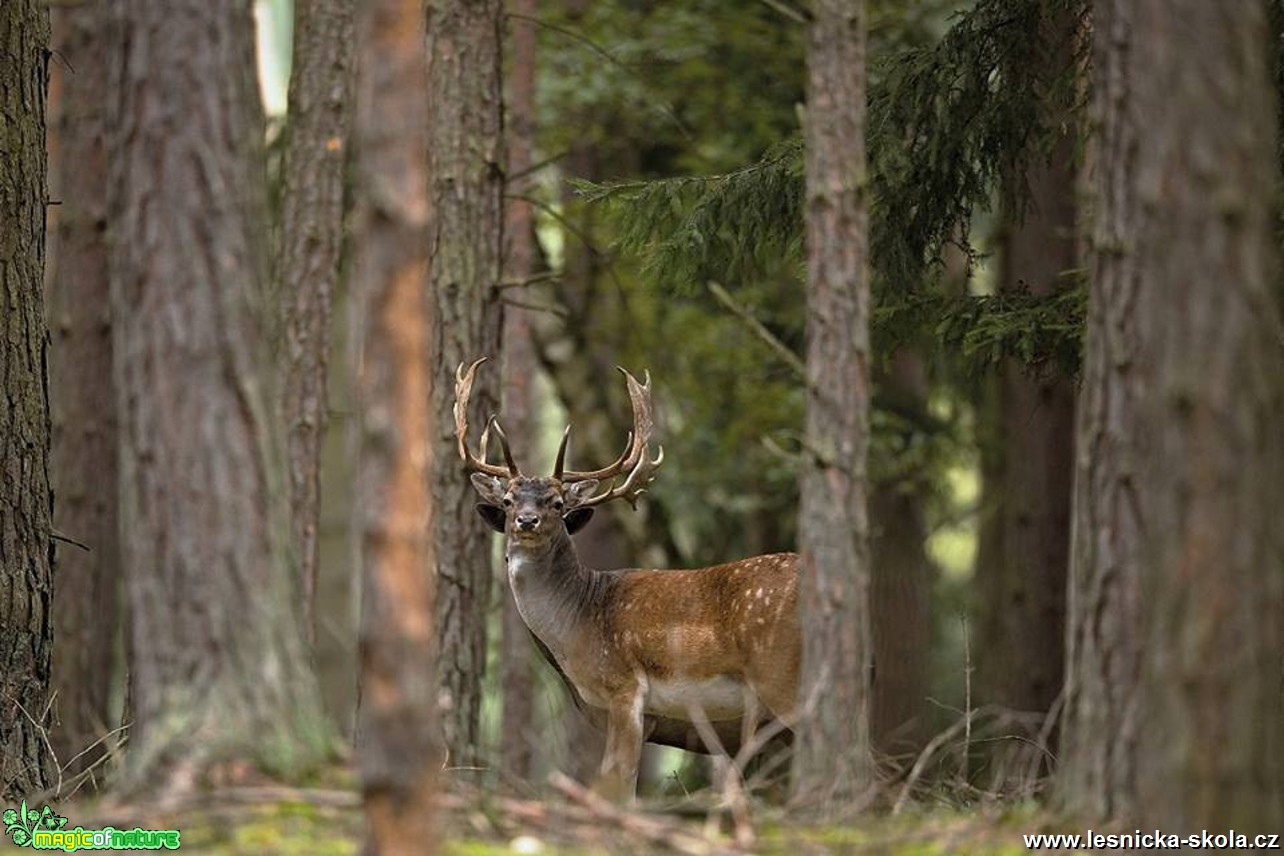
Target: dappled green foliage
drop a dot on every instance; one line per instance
(979, 331)
(948, 121)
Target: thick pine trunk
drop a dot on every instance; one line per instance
(832, 761)
(1177, 595)
(1027, 467)
(519, 735)
(320, 110)
(87, 597)
(220, 670)
(1210, 319)
(465, 233)
(26, 551)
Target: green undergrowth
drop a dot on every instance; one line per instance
(334, 827)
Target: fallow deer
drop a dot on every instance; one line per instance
(645, 653)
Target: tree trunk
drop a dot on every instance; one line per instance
(85, 474)
(390, 244)
(1210, 320)
(465, 233)
(900, 592)
(320, 110)
(220, 667)
(519, 734)
(832, 762)
(26, 549)
(1028, 462)
(1177, 598)
(398, 733)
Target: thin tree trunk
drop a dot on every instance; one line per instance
(320, 110)
(465, 233)
(26, 549)
(390, 217)
(400, 747)
(220, 667)
(1177, 598)
(85, 474)
(832, 761)
(1028, 455)
(519, 733)
(900, 593)
(568, 353)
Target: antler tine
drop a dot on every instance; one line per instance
(560, 463)
(476, 463)
(635, 446)
(642, 474)
(503, 445)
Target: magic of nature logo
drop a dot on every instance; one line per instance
(45, 830)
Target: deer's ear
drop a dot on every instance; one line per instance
(492, 514)
(576, 518)
(577, 492)
(491, 488)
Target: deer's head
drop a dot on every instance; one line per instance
(533, 510)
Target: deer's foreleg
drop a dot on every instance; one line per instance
(619, 775)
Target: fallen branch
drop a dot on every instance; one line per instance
(655, 831)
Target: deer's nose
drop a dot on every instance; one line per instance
(527, 522)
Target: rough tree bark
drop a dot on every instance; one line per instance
(26, 548)
(220, 670)
(1027, 464)
(518, 734)
(465, 234)
(1177, 598)
(85, 474)
(320, 111)
(398, 732)
(832, 760)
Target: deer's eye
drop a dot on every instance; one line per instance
(557, 505)
(508, 502)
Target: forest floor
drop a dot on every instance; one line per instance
(328, 821)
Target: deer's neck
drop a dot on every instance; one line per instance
(552, 588)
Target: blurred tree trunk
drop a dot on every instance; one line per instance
(398, 730)
(465, 234)
(900, 590)
(832, 762)
(85, 473)
(1177, 598)
(320, 110)
(220, 667)
(1027, 464)
(391, 211)
(519, 733)
(26, 548)
(566, 349)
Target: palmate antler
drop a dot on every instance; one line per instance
(634, 464)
